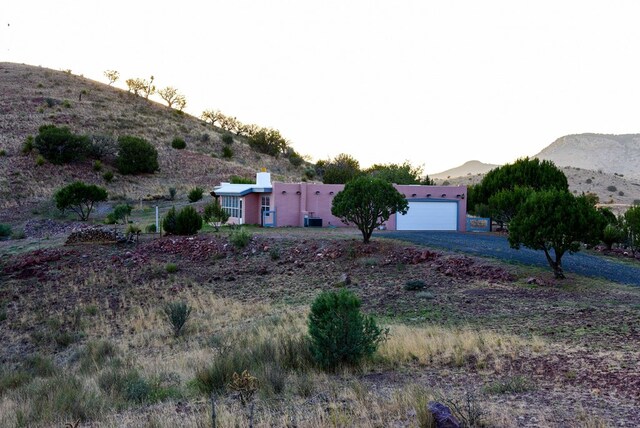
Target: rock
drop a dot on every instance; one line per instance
(442, 415)
(345, 279)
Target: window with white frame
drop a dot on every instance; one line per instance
(231, 204)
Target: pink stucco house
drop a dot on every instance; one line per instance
(309, 204)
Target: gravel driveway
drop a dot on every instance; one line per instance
(489, 245)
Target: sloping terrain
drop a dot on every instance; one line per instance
(472, 167)
(614, 190)
(613, 154)
(34, 96)
(532, 353)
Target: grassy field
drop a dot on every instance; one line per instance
(86, 339)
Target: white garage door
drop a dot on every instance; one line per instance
(429, 216)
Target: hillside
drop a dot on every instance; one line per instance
(627, 190)
(472, 167)
(613, 154)
(34, 96)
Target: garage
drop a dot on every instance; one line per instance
(429, 215)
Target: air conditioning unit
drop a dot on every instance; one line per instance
(314, 222)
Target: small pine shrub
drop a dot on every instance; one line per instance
(170, 223)
(195, 194)
(185, 222)
(5, 230)
(40, 160)
(227, 139)
(340, 333)
(150, 228)
(132, 229)
(240, 238)
(227, 152)
(274, 253)
(171, 268)
(108, 176)
(97, 166)
(612, 188)
(177, 315)
(178, 143)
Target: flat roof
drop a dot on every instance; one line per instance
(227, 189)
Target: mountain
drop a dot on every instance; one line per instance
(613, 154)
(35, 96)
(473, 167)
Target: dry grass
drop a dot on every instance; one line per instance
(435, 345)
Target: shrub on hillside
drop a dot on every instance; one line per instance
(108, 176)
(340, 333)
(5, 230)
(136, 155)
(178, 143)
(60, 145)
(27, 147)
(227, 152)
(240, 238)
(186, 222)
(612, 188)
(79, 198)
(195, 194)
(227, 138)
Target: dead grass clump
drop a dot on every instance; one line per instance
(434, 345)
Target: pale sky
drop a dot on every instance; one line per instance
(433, 82)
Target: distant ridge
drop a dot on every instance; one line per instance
(472, 167)
(614, 154)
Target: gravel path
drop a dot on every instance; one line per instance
(488, 245)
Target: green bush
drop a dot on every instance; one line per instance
(5, 230)
(240, 238)
(177, 315)
(172, 193)
(3, 152)
(227, 138)
(227, 152)
(612, 188)
(40, 160)
(195, 194)
(136, 155)
(340, 333)
(150, 228)
(186, 222)
(171, 268)
(60, 145)
(178, 143)
(108, 176)
(80, 198)
(97, 166)
(169, 222)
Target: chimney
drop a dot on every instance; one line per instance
(263, 179)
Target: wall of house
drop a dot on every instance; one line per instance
(250, 210)
(452, 193)
(292, 201)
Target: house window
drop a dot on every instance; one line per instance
(232, 205)
(266, 203)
